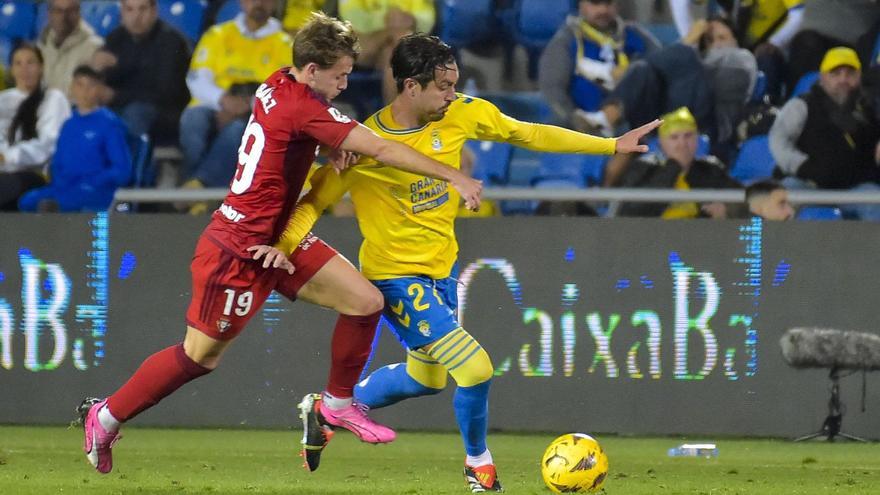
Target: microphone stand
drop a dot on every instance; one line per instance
(831, 425)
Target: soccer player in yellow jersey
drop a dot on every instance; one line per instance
(410, 250)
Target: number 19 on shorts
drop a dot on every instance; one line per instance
(240, 303)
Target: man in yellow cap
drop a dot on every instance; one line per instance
(678, 167)
(828, 137)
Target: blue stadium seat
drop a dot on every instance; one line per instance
(102, 15)
(491, 161)
(186, 16)
(703, 145)
(524, 166)
(5, 51)
(819, 213)
(528, 106)
(228, 11)
(754, 161)
(804, 83)
(17, 19)
(666, 34)
(538, 20)
(466, 22)
(579, 169)
(42, 17)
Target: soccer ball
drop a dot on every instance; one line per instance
(574, 463)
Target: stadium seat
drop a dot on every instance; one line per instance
(228, 11)
(524, 166)
(187, 16)
(102, 15)
(42, 17)
(578, 169)
(536, 22)
(754, 160)
(491, 161)
(528, 106)
(466, 22)
(819, 213)
(17, 19)
(666, 34)
(5, 52)
(804, 84)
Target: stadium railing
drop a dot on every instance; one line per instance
(610, 195)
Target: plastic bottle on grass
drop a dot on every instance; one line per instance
(706, 450)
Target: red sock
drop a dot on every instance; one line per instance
(158, 377)
(350, 349)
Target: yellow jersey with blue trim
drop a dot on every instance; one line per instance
(234, 57)
(407, 220)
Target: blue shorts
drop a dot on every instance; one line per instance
(421, 310)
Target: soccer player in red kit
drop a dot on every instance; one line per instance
(291, 118)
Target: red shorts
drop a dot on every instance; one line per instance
(228, 291)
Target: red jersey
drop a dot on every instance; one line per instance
(277, 149)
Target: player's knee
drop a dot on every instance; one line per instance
(369, 302)
(203, 350)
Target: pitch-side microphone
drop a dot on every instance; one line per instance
(829, 348)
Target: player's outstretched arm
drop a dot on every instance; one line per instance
(364, 141)
(553, 139)
(629, 142)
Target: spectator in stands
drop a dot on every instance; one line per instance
(91, 159)
(30, 118)
(297, 12)
(768, 199)
(707, 72)
(380, 24)
(144, 65)
(764, 27)
(828, 138)
(679, 168)
(66, 42)
(826, 24)
(230, 62)
(585, 60)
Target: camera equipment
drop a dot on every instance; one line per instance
(838, 351)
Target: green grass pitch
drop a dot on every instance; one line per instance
(48, 460)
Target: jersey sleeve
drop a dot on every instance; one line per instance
(328, 187)
(492, 125)
(328, 125)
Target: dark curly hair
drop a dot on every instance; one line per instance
(25, 119)
(417, 56)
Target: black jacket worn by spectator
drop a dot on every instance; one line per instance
(653, 171)
(839, 141)
(151, 69)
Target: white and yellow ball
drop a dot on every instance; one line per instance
(574, 463)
